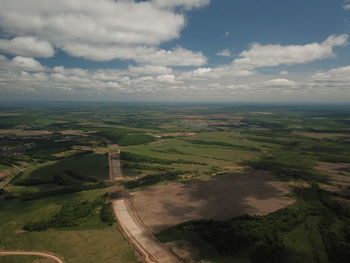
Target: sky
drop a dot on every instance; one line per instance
(175, 50)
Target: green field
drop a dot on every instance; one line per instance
(163, 143)
(92, 241)
(92, 166)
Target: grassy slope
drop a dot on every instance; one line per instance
(92, 165)
(92, 241)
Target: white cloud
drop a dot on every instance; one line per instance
(99, 30)
(224, 53)
(187, 4)
(284, 72)
(27, 46)
(20, 64)
(91, 21)
(145, 55)
(274, 55)
(150, 70)
(166, 78)
(334, 78)
(280, 83)
(346, 5)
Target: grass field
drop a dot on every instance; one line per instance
(92, 165)
(92, 241)
(4, 167)
(189, 144)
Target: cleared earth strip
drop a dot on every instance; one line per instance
(115, 172)
(133, 228)
(140, 237)
(32, 253)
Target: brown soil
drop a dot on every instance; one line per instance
(175, 134)
(163, 206)
(343, 201)
(336, 171)
(77, 132)
(62, 154)
(25, 133)
(184, 250)
(322, 135)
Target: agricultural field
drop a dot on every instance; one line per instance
(220, 183)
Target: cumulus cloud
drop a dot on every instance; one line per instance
(334, 78)
(20, 64)
(284, 72)
(166, 78)
(150, 70)
(280, 83)
(99, 30)
(224, 53)
(27, 46)
(187, 4)
(346, 5)
(103, 21)
(145, 55)
(274, 55)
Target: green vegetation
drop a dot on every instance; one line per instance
(106, 214)
(125, 137)
(75, 170)
(127, 156)
(60, 182)
(153, 179)
(135, 139)
(320, 223)
(103, 242)
(71, 214)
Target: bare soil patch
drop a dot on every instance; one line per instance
(184, 250)
(161, 207)
(65, 153)
(343, 201)
(176, 134)
(338, 172)
(77, 132)
(319, 135)
(25, 133)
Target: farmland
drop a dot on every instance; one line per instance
(221, 183)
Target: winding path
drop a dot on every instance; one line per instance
(32, 253)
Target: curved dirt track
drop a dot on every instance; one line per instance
(32, 253)
(132, 226)
(140, 236)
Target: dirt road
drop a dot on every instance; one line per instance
(10, 177)
(31, 253)
(115, 172)
(140, 237)
(133, 228)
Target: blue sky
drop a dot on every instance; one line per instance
(218, 50)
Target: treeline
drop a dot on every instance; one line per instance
(29, 196)
(106, 214)
(153, 179)
(132, 165)
(264, 235)
(134, 157)
(125, 137)
(286, 171)
(218, 143)
(231, 236)
(73, 214)
(68, 177)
